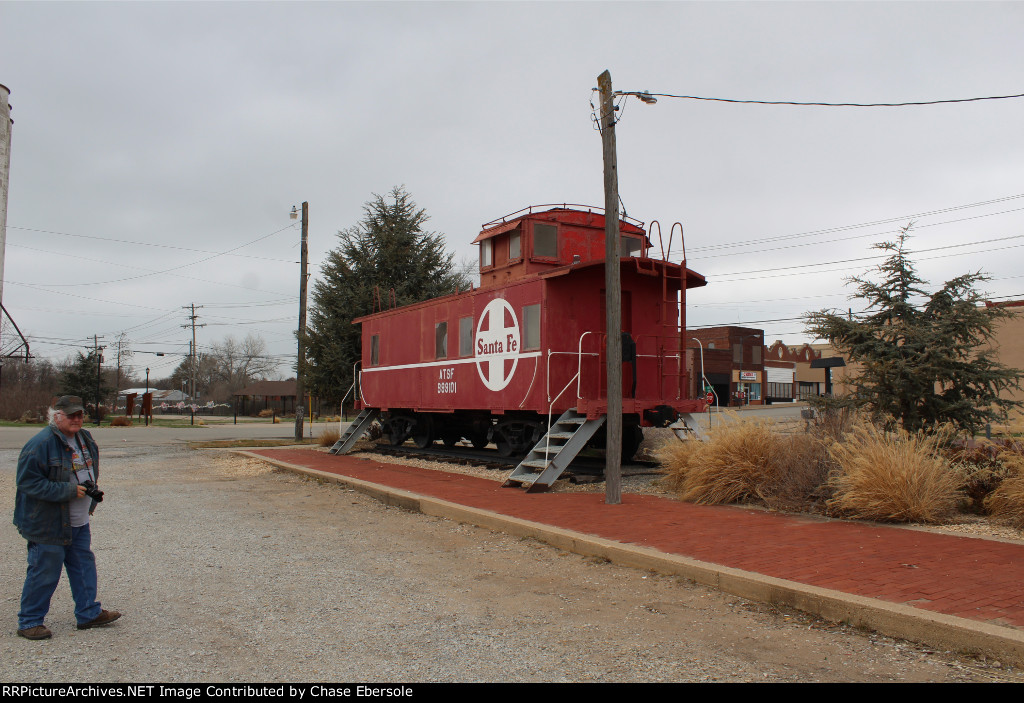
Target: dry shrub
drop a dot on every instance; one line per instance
(983, 465)
(30, 417)
(893, 477)
(745, 462)
(328, 437)
(1006, 502)
(831, 424)
(267, 412)
(980, 469)
(120, 421)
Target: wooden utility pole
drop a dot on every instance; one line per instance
(192, 349)
(612, 296)
(98, 350)
(300, 366)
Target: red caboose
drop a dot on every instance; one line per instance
(500, 362)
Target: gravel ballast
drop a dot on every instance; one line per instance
(228, 570)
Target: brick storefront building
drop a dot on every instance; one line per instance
(733, 361)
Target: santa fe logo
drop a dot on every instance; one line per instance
(497, 344)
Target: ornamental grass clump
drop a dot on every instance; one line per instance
(892, 477)
(745, 462)
(328, 437)
(1006, 503)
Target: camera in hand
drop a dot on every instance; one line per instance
(93, 491)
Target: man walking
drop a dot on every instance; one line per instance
(57, 474)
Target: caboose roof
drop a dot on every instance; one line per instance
(565, 215)
(649, 266)
(693, 280)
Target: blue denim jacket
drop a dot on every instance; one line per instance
(42, 510)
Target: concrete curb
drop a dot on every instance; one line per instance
(937, 630)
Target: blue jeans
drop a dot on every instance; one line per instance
(45, 562)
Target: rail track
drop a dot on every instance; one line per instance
(584, 469)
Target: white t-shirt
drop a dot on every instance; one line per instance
(81, 472)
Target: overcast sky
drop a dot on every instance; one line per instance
(151, 137)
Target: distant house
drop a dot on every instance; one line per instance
(162, 400)
(266, 395)
(159, 396)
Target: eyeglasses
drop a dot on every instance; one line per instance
(74, 416)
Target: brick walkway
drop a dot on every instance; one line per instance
(962, 576)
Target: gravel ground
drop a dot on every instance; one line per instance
(228, 570)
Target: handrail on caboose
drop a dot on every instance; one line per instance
(355, 379)
(666, 253)
(530, 209)
(579, 371)
(579, 366)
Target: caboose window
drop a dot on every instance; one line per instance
(531, 327)
(441, 340)
(515, 249)
(545, 241)
(375, 350)
(466, 336)
(631, 246)
(485, 253)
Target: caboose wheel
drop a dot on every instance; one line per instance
(516, 438)
(504, 446)
(450, 440)
(479, 440)
(632, 436)
(423, 431)
(398, 430)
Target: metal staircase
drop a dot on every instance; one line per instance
(554, 452)
(691, 426)
(355, 430)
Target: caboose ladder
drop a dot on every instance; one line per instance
(355, 430)
(563, 441)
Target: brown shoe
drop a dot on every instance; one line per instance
(39, 632)
(104, 618)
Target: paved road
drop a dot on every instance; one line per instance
(226, 429)
(140, 435)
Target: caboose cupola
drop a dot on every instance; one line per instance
(529, 241)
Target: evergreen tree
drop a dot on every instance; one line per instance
(388, 250)
(926, 359)
(79, 378)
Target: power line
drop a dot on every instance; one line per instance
(150, 244)
(175, 268)
(841, 228)
(840, 239)
(645, 95)
(879, 256)
(83, 297)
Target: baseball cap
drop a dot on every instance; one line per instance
(69, 404)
